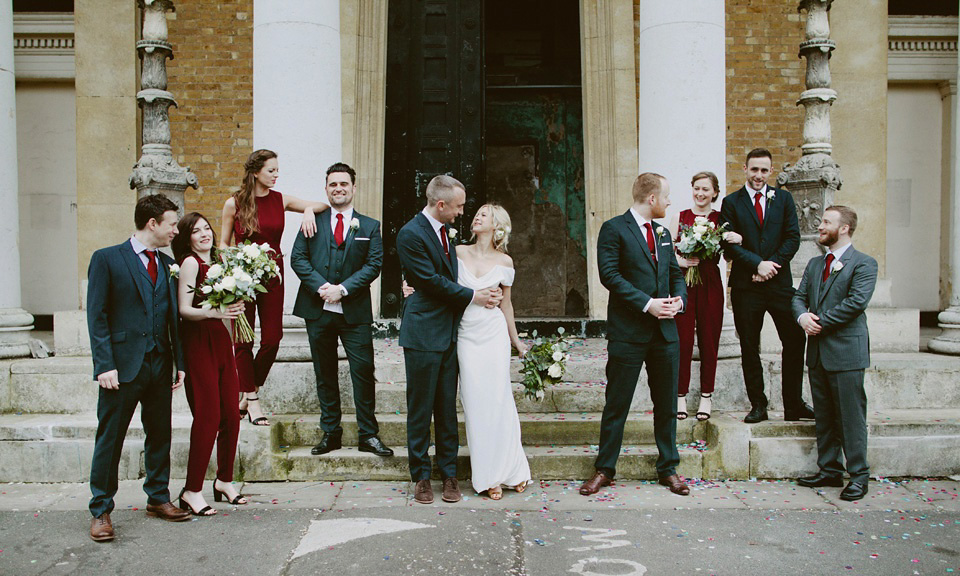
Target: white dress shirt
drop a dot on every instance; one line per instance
(141, 251)
(753, 195)
(337, 307)
(642, 223)
(440, 231)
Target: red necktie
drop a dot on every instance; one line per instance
(152, 265)
(443, 240)
(650, 243)
(758, 206)
(338, 230)
(826, 268)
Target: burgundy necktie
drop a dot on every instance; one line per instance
(758, 206)
(152, 265)
(443, 240)
(338, 230)
(650, 243)
(826, 268)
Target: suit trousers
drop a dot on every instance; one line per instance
(749, 308)
(840, 409)
(703, 314)
(151, 388)
(252, 370)
(432, 390)
(212, 388)
(626, 359)
(358, 344)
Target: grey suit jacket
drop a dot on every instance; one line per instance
(840, 302)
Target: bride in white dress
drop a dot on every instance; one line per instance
(483, 351)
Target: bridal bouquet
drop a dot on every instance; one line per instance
(244, 270)
(544, 363)
(700, 240)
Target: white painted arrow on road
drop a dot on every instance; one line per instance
(325, 533)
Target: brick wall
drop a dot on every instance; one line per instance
(764, 80)
(211, 78)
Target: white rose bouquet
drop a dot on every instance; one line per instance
(544, 363)
(242, 274)
(699, 240)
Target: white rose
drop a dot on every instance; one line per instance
(557, 356)
(229, 283)
(251, 250)
(354, 223)
(206, 289)
(174, 270)
(555, 370)
(218, 286)
(215, 271)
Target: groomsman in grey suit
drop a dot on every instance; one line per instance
(830, 306)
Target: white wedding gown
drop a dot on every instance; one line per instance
(493, 426)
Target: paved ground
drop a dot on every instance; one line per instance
(368, 528)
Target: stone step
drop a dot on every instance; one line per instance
(895, 381)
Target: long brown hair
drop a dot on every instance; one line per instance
(181, 244)
(244, 198)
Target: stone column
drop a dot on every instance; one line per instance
(681, 104)
(15, 323)
(157, 171)
(948, 342)
(297, 112)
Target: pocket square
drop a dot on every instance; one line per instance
(665, 244)
(359, 239)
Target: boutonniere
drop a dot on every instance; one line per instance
(661, 231)
(770, 195)
(354, 224)
(452, 234)
(836, 266)
(174, 271)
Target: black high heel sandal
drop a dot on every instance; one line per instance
(219, 496)
(261, 421)
(704, 414)
(184, 505)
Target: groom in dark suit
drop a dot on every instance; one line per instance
(761, 283)
(336, 267)
(636, 262)
(428, 334)
(830, 305)
(132, 320)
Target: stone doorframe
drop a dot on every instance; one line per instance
(608, 76)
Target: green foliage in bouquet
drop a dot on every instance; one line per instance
(544, 364)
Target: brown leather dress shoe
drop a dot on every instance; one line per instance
(167, 511)
(595, 483)
(451, 490)
(101, 529)
(676, 485)
(423, 492)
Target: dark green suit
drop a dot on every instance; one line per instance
(837, 357)
(355, 264)
(636, 338)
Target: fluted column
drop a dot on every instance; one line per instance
(15, 323)
(948, 342)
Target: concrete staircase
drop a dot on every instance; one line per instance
(49, 421)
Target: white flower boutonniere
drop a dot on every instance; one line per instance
(661, 231)
(174, 271)
(452, 233)
(836, 266)
(770, 195)
(354, 224)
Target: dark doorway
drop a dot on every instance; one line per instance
(490, 93)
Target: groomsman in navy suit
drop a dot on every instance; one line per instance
(132, 320)
(636, 262)
(761, 283)
(428, 334)
(336, 267)
(830, 305)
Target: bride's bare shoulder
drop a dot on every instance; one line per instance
(505, 260)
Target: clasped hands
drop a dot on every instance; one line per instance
(330, 293)
(665, 308)
(488, 297)
(110, 380)
(810, 323)
(766, 270)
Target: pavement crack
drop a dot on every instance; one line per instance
(519, 567)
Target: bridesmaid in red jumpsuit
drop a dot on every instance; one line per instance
(704, 310)
(211, 381)
(256, 213)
